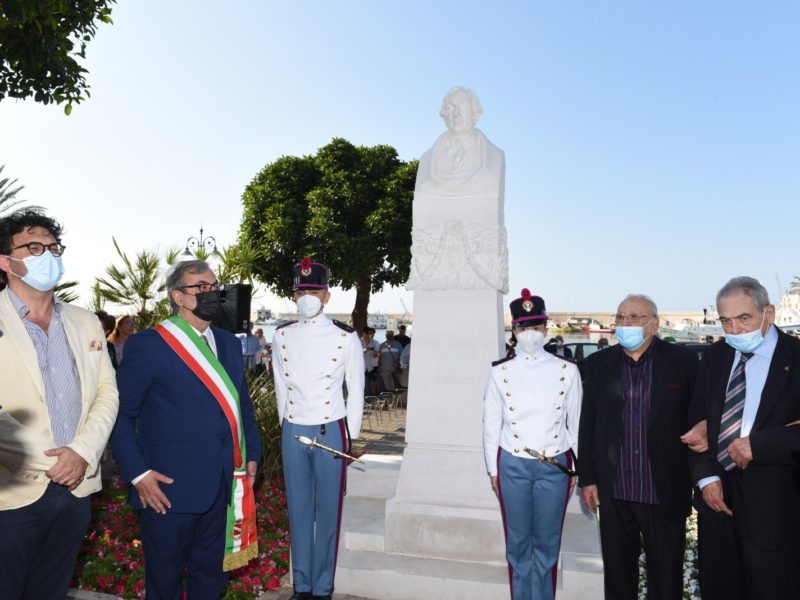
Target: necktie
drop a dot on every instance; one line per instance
(205, 339)
(731, 423)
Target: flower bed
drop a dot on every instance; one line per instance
(111, 559)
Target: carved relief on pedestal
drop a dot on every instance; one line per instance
(459, 255)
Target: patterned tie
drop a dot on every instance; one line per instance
(731, 423)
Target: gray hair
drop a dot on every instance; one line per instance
(176, 274)
(642, 298)
(477, 109)
(747, 286)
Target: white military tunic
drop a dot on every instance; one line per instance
(310, 359)
(531, 401)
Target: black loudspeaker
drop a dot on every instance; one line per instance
(234, 315)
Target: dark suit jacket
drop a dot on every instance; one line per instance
(600, 432)
(771, 482)
(169, 421)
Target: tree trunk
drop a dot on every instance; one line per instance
(359, 314)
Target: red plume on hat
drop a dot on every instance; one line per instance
(526, 294)
(305, 266)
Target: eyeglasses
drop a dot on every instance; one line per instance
(37, 248)
(204, 287)
(131, 324)
(631, 319)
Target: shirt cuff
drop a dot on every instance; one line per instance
(706, 480)
(136, 480)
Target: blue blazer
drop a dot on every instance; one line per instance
(169, 421)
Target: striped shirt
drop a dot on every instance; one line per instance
(62, 386)
(634, 481)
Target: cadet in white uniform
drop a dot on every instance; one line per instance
(312, 358)
(532, 401)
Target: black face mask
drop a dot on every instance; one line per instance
(208, 304)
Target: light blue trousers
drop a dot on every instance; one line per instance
(533, 499)
(314, 489)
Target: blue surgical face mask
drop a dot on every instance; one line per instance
(746, 342)
(44, 271)
(630, 337)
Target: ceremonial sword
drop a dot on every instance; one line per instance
(540, 456)
(315, 444)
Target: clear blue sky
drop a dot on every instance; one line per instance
(650, 147)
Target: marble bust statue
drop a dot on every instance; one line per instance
(458, 239)
(462, 161)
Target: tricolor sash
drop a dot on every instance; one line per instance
(241, 544)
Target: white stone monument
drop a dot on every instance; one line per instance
(429, 526)
(443, 506)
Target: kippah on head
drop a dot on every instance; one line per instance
(527, 310)
(309, 275)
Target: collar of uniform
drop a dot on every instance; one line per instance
(538, 356)
(23, 309)
(320, 319)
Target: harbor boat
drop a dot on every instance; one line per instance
(787, 315)
(587, 325)
(378, 321)
(263, 316)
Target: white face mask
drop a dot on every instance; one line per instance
(308, 306)
(530, 341)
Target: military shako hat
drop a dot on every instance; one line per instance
(309, 275)
(527, 310)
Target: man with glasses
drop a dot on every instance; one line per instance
(748, 393)
(633, 465)
(58, 403)
(187, 443)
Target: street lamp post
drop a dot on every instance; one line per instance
(208, 244)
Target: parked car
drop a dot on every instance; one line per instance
(580, 352)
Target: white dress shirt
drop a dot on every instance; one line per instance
(755, 374)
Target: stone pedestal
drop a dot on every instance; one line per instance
(443, 506)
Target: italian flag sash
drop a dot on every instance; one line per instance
(241, 544)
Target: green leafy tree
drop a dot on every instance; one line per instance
(138, 283)
(8, 192)
(41, 43)
(347, 206)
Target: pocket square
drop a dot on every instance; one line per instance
(95, 346)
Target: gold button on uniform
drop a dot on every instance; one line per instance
(283, 346)
(333, 359)
(505, 380)
(285, 359)
(562, 379)
(510, 408)
(516, 435)
(508, 394)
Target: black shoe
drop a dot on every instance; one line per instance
(301, 596)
